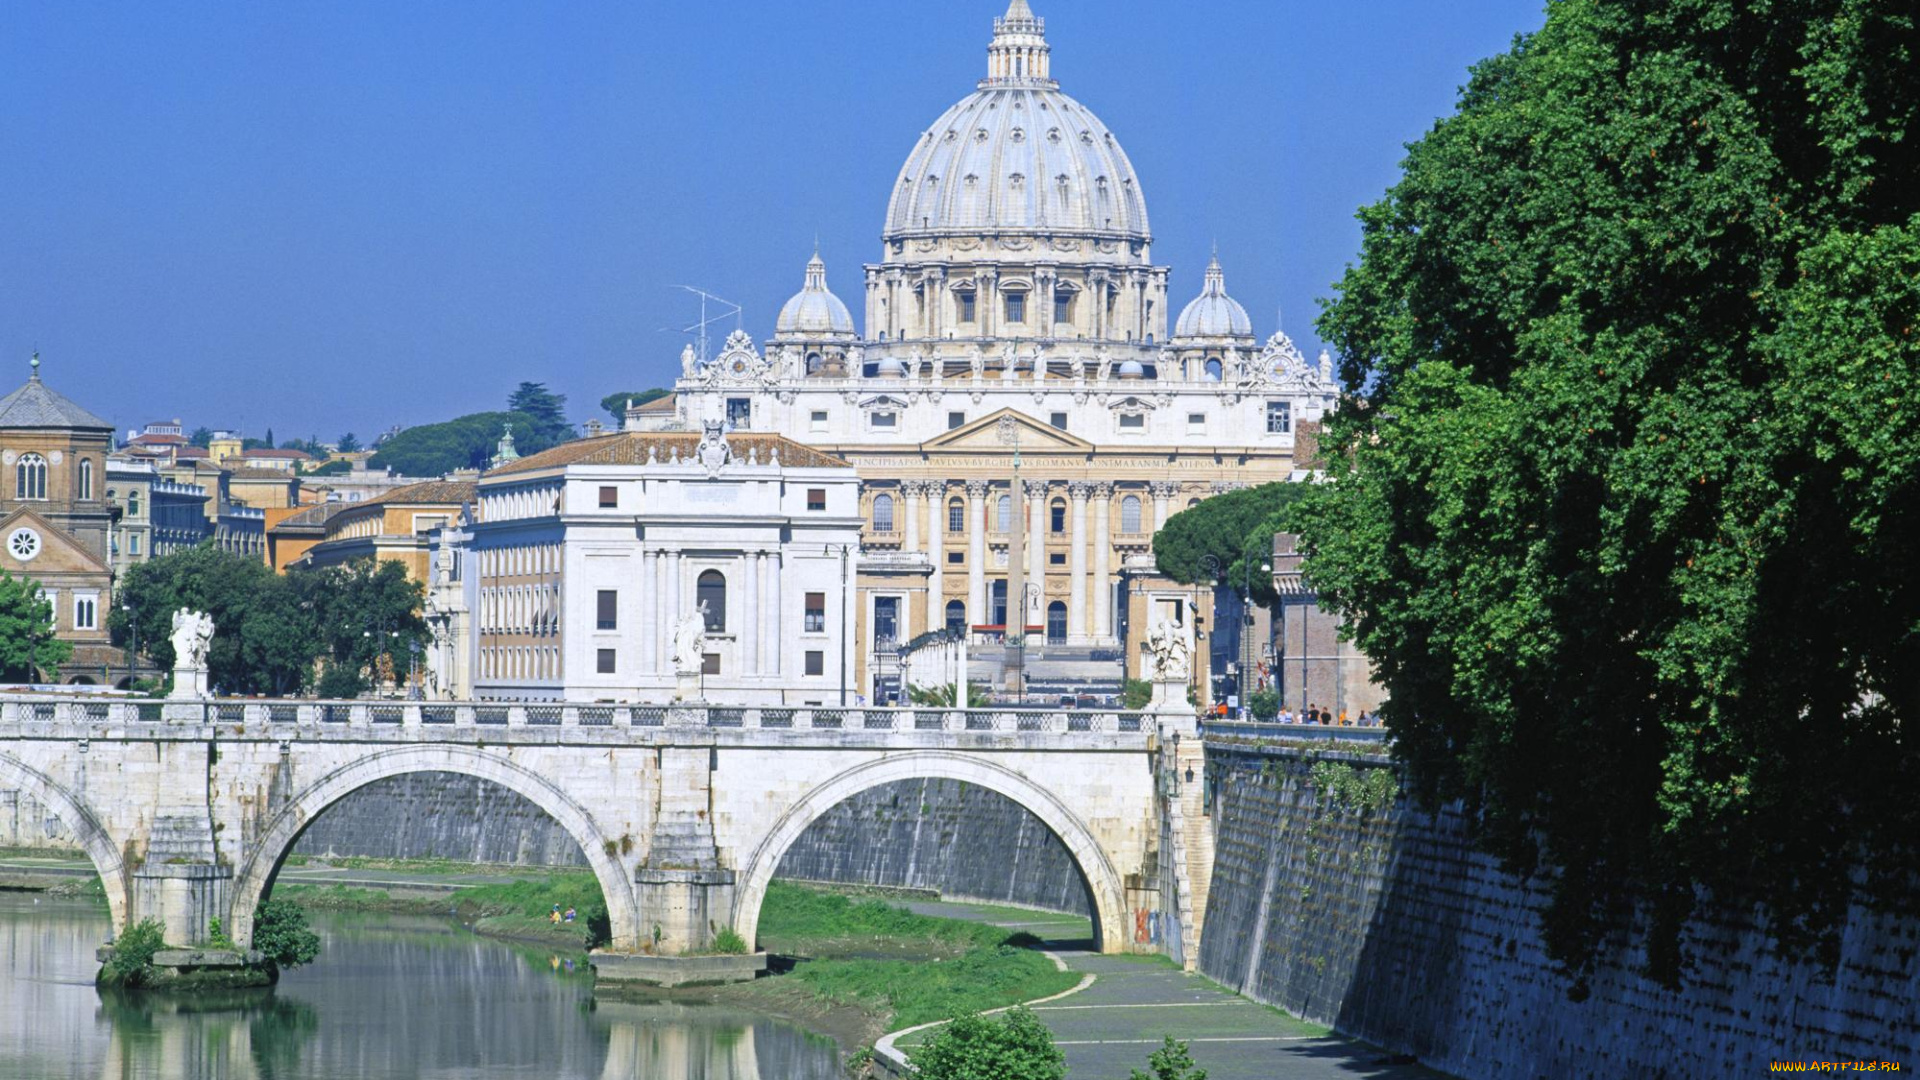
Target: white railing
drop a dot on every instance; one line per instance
(51, 712)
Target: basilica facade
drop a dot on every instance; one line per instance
(1021, 409)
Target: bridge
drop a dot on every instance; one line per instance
(188, 809)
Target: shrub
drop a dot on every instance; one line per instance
(728, 942)
(1016, 1047)
(1264, 704)
(1170, 1062)
(132, 961)
(1138, 692)
(280, 933)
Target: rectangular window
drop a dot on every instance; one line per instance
(1133, 422)
(816, 662)
(966, 306)
(710, 664)
(816, 613)
(740, 413)
(884, 421)
(819, 420)
(886, 618)
(1279, 417)
(956, 557)
(1056, 558)
(133, 543)
(1016, 307)
(609, 496)
(1196, 423)
(1058, 420)
(816, 499)
(956, 419)
(609, 609)
(85, 613)
(1062, 306)
(603, 662)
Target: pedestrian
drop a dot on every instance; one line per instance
(569, 914)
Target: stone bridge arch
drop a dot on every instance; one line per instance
(1104, 883)
(266, 854)
(75, 814)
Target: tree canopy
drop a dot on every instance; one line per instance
(349, 443)
(546, 414)
(1231, 529)
(271, 629)
(1016, 1046)
(465, 442)
(28, 648)
(616, 403)
(1623, 503)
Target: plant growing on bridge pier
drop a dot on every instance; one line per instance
(132, 962)
(1624, 504)
(280, 933)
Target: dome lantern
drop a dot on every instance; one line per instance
(1019, 55)
(1214, 314)
(814, 312)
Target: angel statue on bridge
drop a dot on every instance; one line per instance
(192, 636)
(690, 640)
(1172, 656)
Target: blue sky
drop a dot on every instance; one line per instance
(331, 216)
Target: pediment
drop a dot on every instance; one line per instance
(59, 552)
(983, 435)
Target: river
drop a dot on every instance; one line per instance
(391, 996)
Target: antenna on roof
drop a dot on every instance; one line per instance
(698, 330)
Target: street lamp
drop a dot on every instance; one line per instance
(413, 670)
(1246, 620)
(1216, 572)
(133, 642)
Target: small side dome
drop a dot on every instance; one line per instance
(1132, 369)
(814, 312)
(891, 368)
(1214, 314)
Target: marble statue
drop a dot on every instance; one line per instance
(690, 640)
(192, 635)
(1172, 656)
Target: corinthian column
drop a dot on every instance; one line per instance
(1163, 493)
(1102, 552)
(1077, 493)
(976, 551)
(1037, 550)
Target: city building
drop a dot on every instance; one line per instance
(1312, 663)
(393, 526)
(1016, 318)
(227, 520)
(645, 567)
(285, 461)
(56, 522)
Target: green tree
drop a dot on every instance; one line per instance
(1624, 507)
(201, 436)
(265, 640)
(280, 933)
(348, 443)
(1231, 528)
(361, 610)
(616, 404)
(465, 442)
(1170, 1062)
(941, 696)
(546, 413)
(1017, 1046)
(28, 648)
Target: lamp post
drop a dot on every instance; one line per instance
(1246, 620)
(413, 670)
(133, 643)
(846, 602)
(1216, 570)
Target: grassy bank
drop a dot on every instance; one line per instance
(519, 910)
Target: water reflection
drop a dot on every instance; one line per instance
(391, 997)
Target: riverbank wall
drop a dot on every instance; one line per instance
(1384, 923)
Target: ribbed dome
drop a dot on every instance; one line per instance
(1213, 313)
(814, 311)
(1018, 155)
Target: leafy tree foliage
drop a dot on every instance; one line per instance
(546, 412)
(1170, 1062)
(270, 629)
(616, 403)
(201, 436)
(1628, 516)
(336, 467)
(941, 696)
(466, 442)
(1231, 528)
(27, 645)
(349, 443)
(1017, 1046)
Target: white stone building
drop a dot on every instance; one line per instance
(1016, 283)
(650, 567)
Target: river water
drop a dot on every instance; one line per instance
(390, 997)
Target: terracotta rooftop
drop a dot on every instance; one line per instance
(630, 448)
(312, 518)
(243, 473)
(278, 455)
(448, 492)
(659, 404)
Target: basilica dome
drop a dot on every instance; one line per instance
(814, 311)
(1017, 155)
(1213, 314)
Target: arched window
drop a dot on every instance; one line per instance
(711, 590)
(956, 516)
(1003, 514)
(30, 477)
(1057, 515)
(813, 363)
(956, 615)
(883, 513)
(1213, 369)
(133, 504)
(1056, 623)
(1130, 514)
(86, 480)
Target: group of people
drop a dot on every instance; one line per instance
(556, 916)
(1314, 714)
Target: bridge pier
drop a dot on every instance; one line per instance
(683, 892)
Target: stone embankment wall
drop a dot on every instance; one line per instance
(956, 839)
(1386, 924)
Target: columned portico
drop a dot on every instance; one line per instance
(1077, 494)
(977, 551)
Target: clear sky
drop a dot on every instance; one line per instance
(332, 215)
